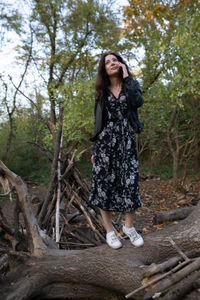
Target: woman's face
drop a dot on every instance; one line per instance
(111, 65)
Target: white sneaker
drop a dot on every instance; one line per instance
(134, 237)
(113, 241)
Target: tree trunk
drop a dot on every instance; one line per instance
(173, 143)
(9, 140)
(173, 214)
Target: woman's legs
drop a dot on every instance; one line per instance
(130, 231)
(107, 220)
(129, 218)
(111, 238)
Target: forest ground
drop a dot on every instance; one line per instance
(156, 195)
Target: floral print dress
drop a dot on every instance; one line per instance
(114, 184)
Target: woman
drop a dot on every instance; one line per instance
(115, 166)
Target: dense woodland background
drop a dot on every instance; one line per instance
(58, 45)
(46, 119)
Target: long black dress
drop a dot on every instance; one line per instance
(115, 170)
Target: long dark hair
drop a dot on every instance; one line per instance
(103, 81)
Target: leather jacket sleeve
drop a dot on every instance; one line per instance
(92, 139)
(133, 92)
(98, 116)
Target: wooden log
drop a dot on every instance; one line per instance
(196, 283)
(181, 289)
(100, 269)
(70, 165)
(57, 213)
(82, 206)
(3, 262)
(155, 281)
(5, 184)
(173, 279)
(35, 243)
(178, 249)
(53, 181)
(98, 234)
(171, 215)
(50, 210)
(16, 216)
(4, 224)
(170, 263)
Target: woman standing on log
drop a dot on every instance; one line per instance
(115, 166)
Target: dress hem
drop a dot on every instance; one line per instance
(115, 210)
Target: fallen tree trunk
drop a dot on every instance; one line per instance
(35, 244)
(173, 214)
(95, 273)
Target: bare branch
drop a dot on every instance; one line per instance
(47, 123)
(36, 245)
(157, 279)
(43, 150)
(6, 194)
(178, 249)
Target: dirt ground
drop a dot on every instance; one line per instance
(156, 195)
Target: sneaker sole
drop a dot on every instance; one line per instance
(114, 247)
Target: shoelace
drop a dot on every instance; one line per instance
(134, 234)
(113, 238)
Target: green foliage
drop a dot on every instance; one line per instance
(24, 158)
(10, 18)
(68, 38)
(79, 107)
(85, 167)
(168, 33)
(69, 31)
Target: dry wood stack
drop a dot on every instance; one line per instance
(66, 200)
(73, 191)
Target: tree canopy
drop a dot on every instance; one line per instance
(58, 54)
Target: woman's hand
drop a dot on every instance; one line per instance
(124, 69)
(92, 159)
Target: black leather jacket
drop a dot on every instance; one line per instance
(135, 100)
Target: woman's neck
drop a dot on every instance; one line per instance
(115, 81)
